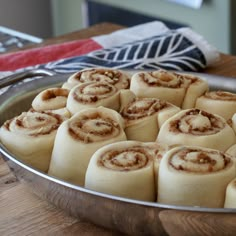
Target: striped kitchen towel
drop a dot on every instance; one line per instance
(147, 46)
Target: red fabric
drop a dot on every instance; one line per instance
(41, 55)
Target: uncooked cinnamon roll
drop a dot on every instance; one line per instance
(53, 100)
(123, 169)
(144, 116)
(196, 127)
(30, 137)
(219, 102)
(93, 94)
(79, 137)
(118, 78)
(50, 99)
(178, 89)
(194, 176)
(230, 196)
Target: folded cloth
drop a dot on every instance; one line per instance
(42, 55)
(147, 46)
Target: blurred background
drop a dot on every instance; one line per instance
(214, 19)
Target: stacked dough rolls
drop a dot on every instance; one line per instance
(30, 136)
(194, 176)
(144, 116)
(79, 137)
(196, 127)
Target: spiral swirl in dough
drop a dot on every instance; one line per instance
(221, 103)
(30, 137)
(123, 169)
(178, 89)
(79, 137)
(53, 100)
(196, 127)
(230, 196)
(50, 99)
(118, 78)
(93, 94)
(144, 116)
(194, 176)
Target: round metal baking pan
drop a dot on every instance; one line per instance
(127, 216)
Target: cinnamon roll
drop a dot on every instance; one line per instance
(53, 100)
(230, 196)
(79, 137)
(219, 102)
(30, 137)
(118, 78)
(194, 176)
(50, 99)
(144, 116)
(196, 127)
(93, 94)
(178, 89)
(123, 169)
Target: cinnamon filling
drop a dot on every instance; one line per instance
(163, 79)
(110, 76)
(93, 128)
(199, 161)
(92, 92)
(53, 93)
(143, 107)
(128, 159)
(221, 95)
(197, 122)
(34, 123)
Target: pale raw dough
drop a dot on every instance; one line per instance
(93, 94)
(123, 169)
(50, 99)
(181, 90)
(194, 176)
(218, 102)
(159, 84)
(118, 78)
(196, 127)
(30, 137)
(144, 116)
(230, 196)
(79, 137)
(195, 89)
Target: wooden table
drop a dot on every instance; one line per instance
(23, 213)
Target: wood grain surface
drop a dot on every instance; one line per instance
(23, 213)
